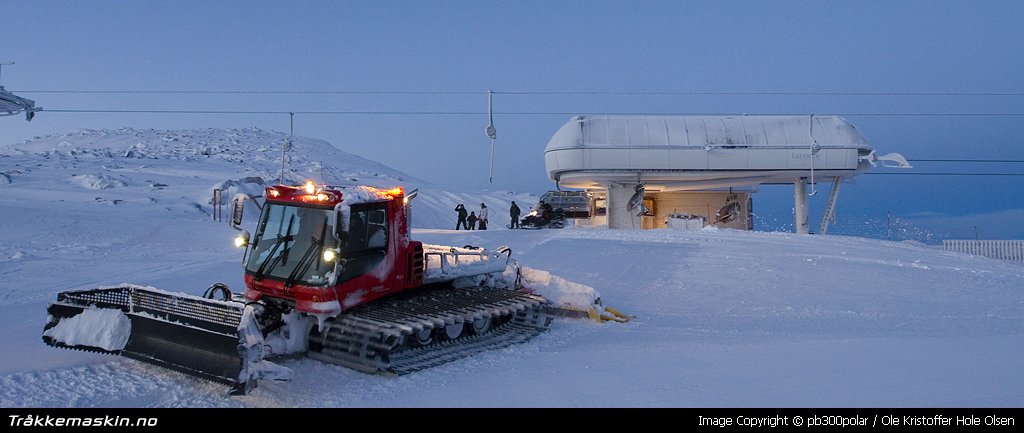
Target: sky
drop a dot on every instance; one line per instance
(410, 81)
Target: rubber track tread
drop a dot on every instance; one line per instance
(378, 338)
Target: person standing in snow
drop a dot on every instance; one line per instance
(483, 217)
(472, 221)
(514, 213)
(462, 217)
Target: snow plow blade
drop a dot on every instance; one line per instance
(188, 334)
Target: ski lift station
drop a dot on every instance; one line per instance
(655, 171)
(11, 104)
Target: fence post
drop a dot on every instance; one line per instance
(216, 206)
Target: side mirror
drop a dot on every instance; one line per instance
(237, 209)
(340, 219)
(407, 202)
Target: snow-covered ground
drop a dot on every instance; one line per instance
(723, 318)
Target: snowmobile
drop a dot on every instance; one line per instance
(330, 272)
(536, 220)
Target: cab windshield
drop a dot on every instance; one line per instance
(289, 245)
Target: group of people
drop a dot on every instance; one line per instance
(470, 221)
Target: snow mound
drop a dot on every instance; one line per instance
(90, 181)
(254, 150)
(561, 292)
(105, 328)
(177, 170)
(251, 186)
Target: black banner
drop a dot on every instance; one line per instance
(681, 419)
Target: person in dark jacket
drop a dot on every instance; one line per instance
(545, 211)
(472, 220)
(462, 217)
(514, 213)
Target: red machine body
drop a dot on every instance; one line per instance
(375, 257)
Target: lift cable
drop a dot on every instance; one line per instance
(474, 113)
(525, 93)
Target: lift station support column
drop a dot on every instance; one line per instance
(619, 214)
(800, 206)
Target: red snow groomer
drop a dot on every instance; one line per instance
(330, 272)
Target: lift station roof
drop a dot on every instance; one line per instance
(700, 152)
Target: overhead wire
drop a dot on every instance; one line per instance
(461, 113)
(546, 113)
(517, 92)
(1018, 161)
(941, 174)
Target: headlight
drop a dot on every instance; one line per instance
(330, 255)
(242, 240)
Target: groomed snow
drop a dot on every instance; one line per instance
(722, 317)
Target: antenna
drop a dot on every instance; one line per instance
(287, 142)
(491, 133)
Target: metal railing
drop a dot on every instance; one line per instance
(1002, 250)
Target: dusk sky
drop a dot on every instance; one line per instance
(407, 81)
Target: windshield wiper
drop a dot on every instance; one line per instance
(308, 257)
(264, 269)
(288, 234)
(288, 237)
